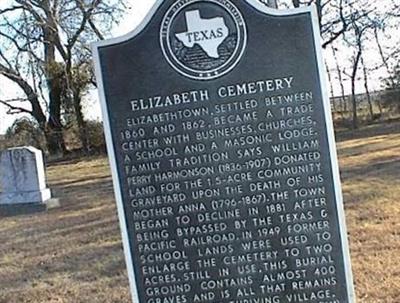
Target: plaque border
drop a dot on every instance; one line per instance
(312, 10)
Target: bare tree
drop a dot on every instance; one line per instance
(334, 107)
(358, 43)
(341, 84)
(366, 87)
(42, 42)
(334, 16)
(359, 23)
(363, 25)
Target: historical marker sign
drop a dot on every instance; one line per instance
(221, 144)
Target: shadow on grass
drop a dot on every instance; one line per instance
(386, 169)
(365, 148)
(373, 130)
(79, 242)
(74, 195)
(67, 184)
(79, 264)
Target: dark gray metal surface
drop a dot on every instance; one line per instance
(280, 49)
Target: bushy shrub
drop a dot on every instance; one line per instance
(25, 132)
(96, 136)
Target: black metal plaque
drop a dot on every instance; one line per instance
(224, 165)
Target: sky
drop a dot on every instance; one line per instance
(8, 90)
(138, 10)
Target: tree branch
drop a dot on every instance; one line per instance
(31, 95)
(12, 109)
(10, 9)
(95, 29)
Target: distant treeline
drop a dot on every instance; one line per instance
(374, 103)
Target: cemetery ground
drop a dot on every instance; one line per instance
(73, 254)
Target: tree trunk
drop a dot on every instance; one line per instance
(36, 112)
(384, 59)
(366, 86)
(55, 139)
(339, 72)
(354, 104)
(54, 79)
(358, 32)
(334, 109)
(52, 128)
(379, 102)
(56, 143)
(82, 125)
(353, 87)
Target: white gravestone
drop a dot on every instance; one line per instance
(22, 177)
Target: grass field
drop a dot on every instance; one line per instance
(73, 254)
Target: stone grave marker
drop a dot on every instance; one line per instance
(223, 157)
(22, 181)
